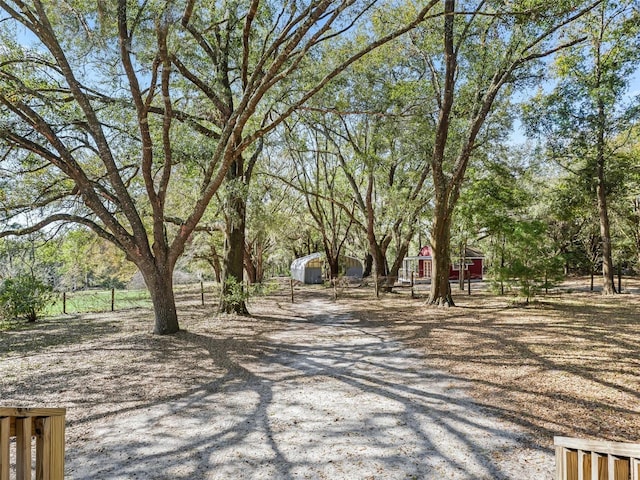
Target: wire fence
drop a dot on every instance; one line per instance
(110, 300)
(204, 293)
(84, 301)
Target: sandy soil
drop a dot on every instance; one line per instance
(353, 388)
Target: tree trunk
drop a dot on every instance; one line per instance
(379, 262)
(401, 253)
(249, 266)
(441, 228)
(375, 249)
(368, 265)
(258, 262)
(608, 286)
(440, 241)
(334, 266)
(635, 225)
(254, 260)
(233, 263)
(160, 285)
(502, 261)
(462, 264)
(234, 244)
(214, 261)
(397, 264)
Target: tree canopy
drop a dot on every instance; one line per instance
(102, 103)
(156, 123)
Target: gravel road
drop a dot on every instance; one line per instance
(324, 398)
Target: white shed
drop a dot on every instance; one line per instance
(310, 269)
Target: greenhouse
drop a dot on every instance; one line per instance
(312, 268)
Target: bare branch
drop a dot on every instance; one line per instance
(64, 218)
(335, 72)
(246, 33)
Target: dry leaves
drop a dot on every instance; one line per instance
(567, 364)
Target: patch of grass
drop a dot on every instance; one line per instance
(84, 301)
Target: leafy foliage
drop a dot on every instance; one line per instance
(101, 108)
(527, 262)
(584, 117)
(24, 296)
(238, 293)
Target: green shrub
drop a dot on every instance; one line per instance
(25, 297)
(527, 262)
(234, 294)
(237, 293)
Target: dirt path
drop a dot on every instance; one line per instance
(324, 397)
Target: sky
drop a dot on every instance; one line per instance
(518, 135)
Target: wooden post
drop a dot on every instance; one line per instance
(291, 286)
(23, 448)
(560, 464)
(64, 302)
(412, 283)
(619, 278)
(202, 292)
(4, 447)
(57, 447)
(43, 447)
(113, 299)
(469, 284)
(47, 424)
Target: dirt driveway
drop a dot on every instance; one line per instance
(298, 391)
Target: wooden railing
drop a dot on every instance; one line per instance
(47, 425)
(595, 460)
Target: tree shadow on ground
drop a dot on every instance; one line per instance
(343, 405)
(331, 389)
(25, 338)
(563, 365)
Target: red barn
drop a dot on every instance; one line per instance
(421, 266)
(473, 264)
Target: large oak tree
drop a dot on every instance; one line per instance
(481, 48)
(586, 119)
(110, 111)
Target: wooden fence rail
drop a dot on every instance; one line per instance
(47, 425)
(578, 459)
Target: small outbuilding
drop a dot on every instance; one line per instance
(421, 267)
(312, 268)
(308, 269)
